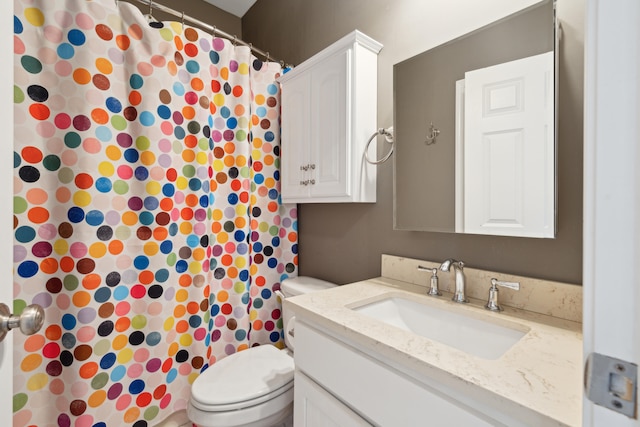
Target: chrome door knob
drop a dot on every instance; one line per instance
(29, 322)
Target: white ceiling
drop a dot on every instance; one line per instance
(235, 7)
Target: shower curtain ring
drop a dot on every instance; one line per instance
(235, 40)
(182, 21)
(268, 57)
(213, 31)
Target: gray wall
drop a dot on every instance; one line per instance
(343, 242)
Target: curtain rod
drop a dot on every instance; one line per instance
(211, 28)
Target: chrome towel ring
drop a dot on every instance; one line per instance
(388, 136)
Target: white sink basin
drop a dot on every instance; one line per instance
(472, 335)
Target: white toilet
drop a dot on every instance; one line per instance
(254, 387)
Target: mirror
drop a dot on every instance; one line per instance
(491, 183)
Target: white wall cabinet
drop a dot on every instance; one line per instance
(329, 107)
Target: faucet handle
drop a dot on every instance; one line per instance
(433, 288)
(492, 303)
(511, 285)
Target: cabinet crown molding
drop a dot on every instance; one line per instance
(354, 37)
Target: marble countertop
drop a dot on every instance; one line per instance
(539, 377)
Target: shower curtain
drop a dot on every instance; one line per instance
(147, 213)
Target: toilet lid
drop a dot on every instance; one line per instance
(245, 376)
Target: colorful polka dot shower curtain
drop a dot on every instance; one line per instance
(147, 214)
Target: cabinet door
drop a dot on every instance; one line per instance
(295, 137)
(330, 157)
(315, 407)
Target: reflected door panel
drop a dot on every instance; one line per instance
(508, 149)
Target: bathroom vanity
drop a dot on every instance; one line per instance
(382, 352)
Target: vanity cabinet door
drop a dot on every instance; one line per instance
(315, 407)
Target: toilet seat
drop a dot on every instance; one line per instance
(241, 380)
(266, 414)
(241, 405)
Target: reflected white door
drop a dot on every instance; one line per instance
(6, 202)
(612, 192)
(509, 186)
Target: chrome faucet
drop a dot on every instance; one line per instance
(458, 295)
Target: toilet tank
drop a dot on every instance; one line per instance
(297, 286)
(303, 285)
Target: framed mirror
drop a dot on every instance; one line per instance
(474, 124)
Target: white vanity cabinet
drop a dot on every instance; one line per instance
(316, 407)
(337, 384)
(329, 108)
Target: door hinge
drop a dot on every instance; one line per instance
(612, 383)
